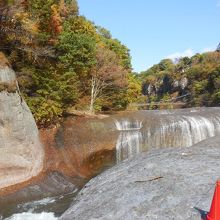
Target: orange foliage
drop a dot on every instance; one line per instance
(56, 20)
(3, 60)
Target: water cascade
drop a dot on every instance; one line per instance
(129, 140)
(145, 130)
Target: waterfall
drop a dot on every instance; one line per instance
(128, 125)
(128, 144)
(129, 140)
(181, 131)
(153, 129)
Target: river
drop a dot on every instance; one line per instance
(134, 132)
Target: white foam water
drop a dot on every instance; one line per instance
(169, 130)
(33, 216)
(38, 203)
(126, 125)
(129, 140)
(128, 144)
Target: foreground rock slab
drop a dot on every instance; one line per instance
(164, 184)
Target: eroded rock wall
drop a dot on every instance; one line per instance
(79, 146)
(21, 153)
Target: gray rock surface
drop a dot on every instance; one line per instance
(21, 153)
(163, 184)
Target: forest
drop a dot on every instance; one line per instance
(64, 61)
(195, 80)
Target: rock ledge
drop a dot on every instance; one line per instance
(163, 184)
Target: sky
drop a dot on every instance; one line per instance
(157, 29)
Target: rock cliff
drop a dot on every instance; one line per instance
(21, 151)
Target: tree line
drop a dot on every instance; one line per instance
(196, 79)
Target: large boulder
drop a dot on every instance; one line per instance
(163, 184)
(21, 151)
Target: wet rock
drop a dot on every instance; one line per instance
(48, 193)
(70, 148)
(163, 184)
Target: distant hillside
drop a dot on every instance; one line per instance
(197, 79)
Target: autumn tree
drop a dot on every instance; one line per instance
(134, 88)
(105, 75)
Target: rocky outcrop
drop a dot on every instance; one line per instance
(164, 184)
(21, 151)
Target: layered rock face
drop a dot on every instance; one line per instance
(21, 153)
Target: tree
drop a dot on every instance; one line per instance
(134, 88)
(122, 52)
(105, 75)
(166, 65)
(104, 32)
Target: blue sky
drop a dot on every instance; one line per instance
(157, 29)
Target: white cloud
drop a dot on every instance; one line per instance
(187, 53)
(208, 49)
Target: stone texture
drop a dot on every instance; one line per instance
(163, 184)
(21, 153)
